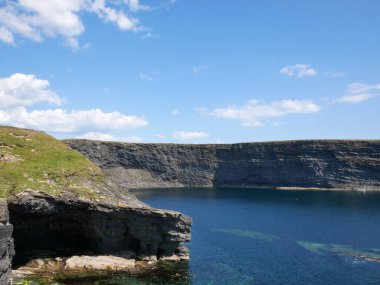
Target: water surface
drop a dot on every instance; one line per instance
(263, 236)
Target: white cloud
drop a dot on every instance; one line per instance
(75, 121)
(198, 68)
(6, 36)
(24, 90)
(184, 135)
(253, 113)
(298, 70)
(174, 112)
(21, 90)
(145, 77)
(358, 92)
(36, 19)
(107, 137)
(135, 6)
(109, 14)
(149, 35)
(334, 74)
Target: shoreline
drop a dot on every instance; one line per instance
(359, 188)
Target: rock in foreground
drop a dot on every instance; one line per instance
(6, 244)
(48, 226)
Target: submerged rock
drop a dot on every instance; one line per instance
(371, 255)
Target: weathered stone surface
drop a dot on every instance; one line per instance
(109, 263)
(6, 244)
(48, 226)
(50, 267)
(152, 165)
(324, 164)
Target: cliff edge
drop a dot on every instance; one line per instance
(61, 204)
(321, 164)
(6, 244)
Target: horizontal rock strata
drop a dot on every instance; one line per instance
(319, 164)
(6, 244)
(47, 226)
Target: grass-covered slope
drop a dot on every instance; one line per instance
(34, 160)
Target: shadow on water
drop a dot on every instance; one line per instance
(165, 273)
(267, 195)
(265, 236)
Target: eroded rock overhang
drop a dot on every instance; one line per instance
(47, 226)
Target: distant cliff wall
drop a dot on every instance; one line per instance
(6, 244)
(336, 164)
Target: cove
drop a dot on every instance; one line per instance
(264, 236)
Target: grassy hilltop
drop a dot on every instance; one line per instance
(35, 160)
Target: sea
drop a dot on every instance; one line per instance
(266, 236)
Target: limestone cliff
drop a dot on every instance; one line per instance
(328, 164)
(49, 226)
(61, 204)
(6, 244)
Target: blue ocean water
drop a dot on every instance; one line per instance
(264, 236)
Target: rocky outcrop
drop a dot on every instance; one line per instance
(76, 210)
(48, 226)
(6, 244)
(324, 164)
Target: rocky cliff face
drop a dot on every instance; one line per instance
(50, 226)
(6, 244)
(332, 164)
(61, 204)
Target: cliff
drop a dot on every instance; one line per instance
(6, 244)
(61, 204)
(325, 164)
(46, 226)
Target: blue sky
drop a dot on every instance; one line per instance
(199, 71)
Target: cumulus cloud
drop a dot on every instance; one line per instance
(135, 5)
(107, 137)
(36, 19)
(298, 70)
(358, 92)
(253, 112)
(184, 135)
(24, 90)
(74, 121)
(6, 36)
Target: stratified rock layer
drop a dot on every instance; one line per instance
(327, 164)
(49, 226)
(6, 244)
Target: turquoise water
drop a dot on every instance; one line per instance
(262, 236)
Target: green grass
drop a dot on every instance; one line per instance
(35, 160)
